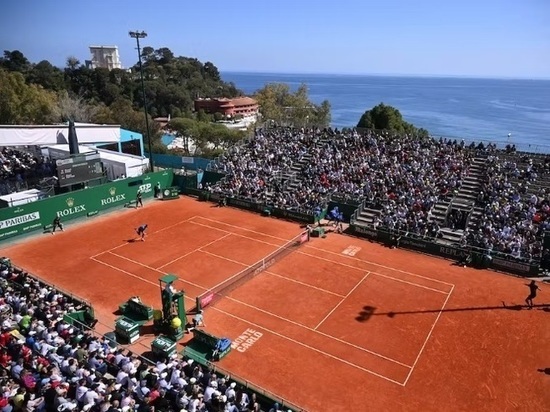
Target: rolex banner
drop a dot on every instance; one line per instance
(22, 219)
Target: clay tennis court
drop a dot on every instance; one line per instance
(340, 324)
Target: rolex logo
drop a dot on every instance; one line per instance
(70, 202)
(112, 191)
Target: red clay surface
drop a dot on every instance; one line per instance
(372, 329)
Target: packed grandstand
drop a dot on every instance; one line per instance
(402, 178)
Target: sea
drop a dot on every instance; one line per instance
(489, 110)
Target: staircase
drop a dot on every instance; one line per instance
(365, 215)
(465, 199)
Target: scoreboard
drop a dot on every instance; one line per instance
(79, 169)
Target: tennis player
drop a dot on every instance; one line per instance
(198, 320)
(141, 231)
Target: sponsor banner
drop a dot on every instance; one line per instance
(520, 268)
(243, 204)
(113, 197)
(22, 223)
(293, 215)
(365, 231)
(19, 220)
(80, 203)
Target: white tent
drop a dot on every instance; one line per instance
(23, 135)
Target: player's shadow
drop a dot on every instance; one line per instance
(546, 371)
(368, 311)
(131, 240)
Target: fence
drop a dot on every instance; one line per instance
(88, 202)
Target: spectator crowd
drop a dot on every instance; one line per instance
(48, 364)
(402, 176)
(18, 168)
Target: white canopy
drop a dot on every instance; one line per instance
(57, 134)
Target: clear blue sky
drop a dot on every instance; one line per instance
(485, 38)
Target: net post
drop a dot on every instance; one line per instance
(198, 303)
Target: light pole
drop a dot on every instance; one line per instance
(141, 35)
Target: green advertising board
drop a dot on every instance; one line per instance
(15, 221)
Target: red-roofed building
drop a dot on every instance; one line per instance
(244, 106)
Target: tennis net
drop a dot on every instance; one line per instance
(227, 286)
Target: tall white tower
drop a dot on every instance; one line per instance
(105, 56)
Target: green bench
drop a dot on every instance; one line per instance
(214, 348)
(136, 310)
(79, 318)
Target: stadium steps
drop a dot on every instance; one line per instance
(451, 236)
(475, 216)
(366, 215)
(439, 211)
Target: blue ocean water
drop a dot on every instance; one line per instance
(465, 108)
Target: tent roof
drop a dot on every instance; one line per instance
(37, 135)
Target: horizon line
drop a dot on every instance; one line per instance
(433, 76)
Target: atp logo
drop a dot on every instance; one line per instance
(146, 188)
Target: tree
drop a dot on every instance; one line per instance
(188, 129)
(47, 76)
(279, 104)
(72, 63)
(384, 117)
(22, 103)
(73, 108)
(15, 61)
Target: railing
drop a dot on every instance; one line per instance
(449, 208)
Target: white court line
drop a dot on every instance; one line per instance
(410, 283)
(123, 271)
(374, 273)
(132, 275)
(156, 270)
(428, 337)
(303, 283)
(342, 301)
(236, 234)
(379, 265)
(229, 260)
(152, 233)
(195, 250)
(308, 347)
(319, 332)
(242, 228)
